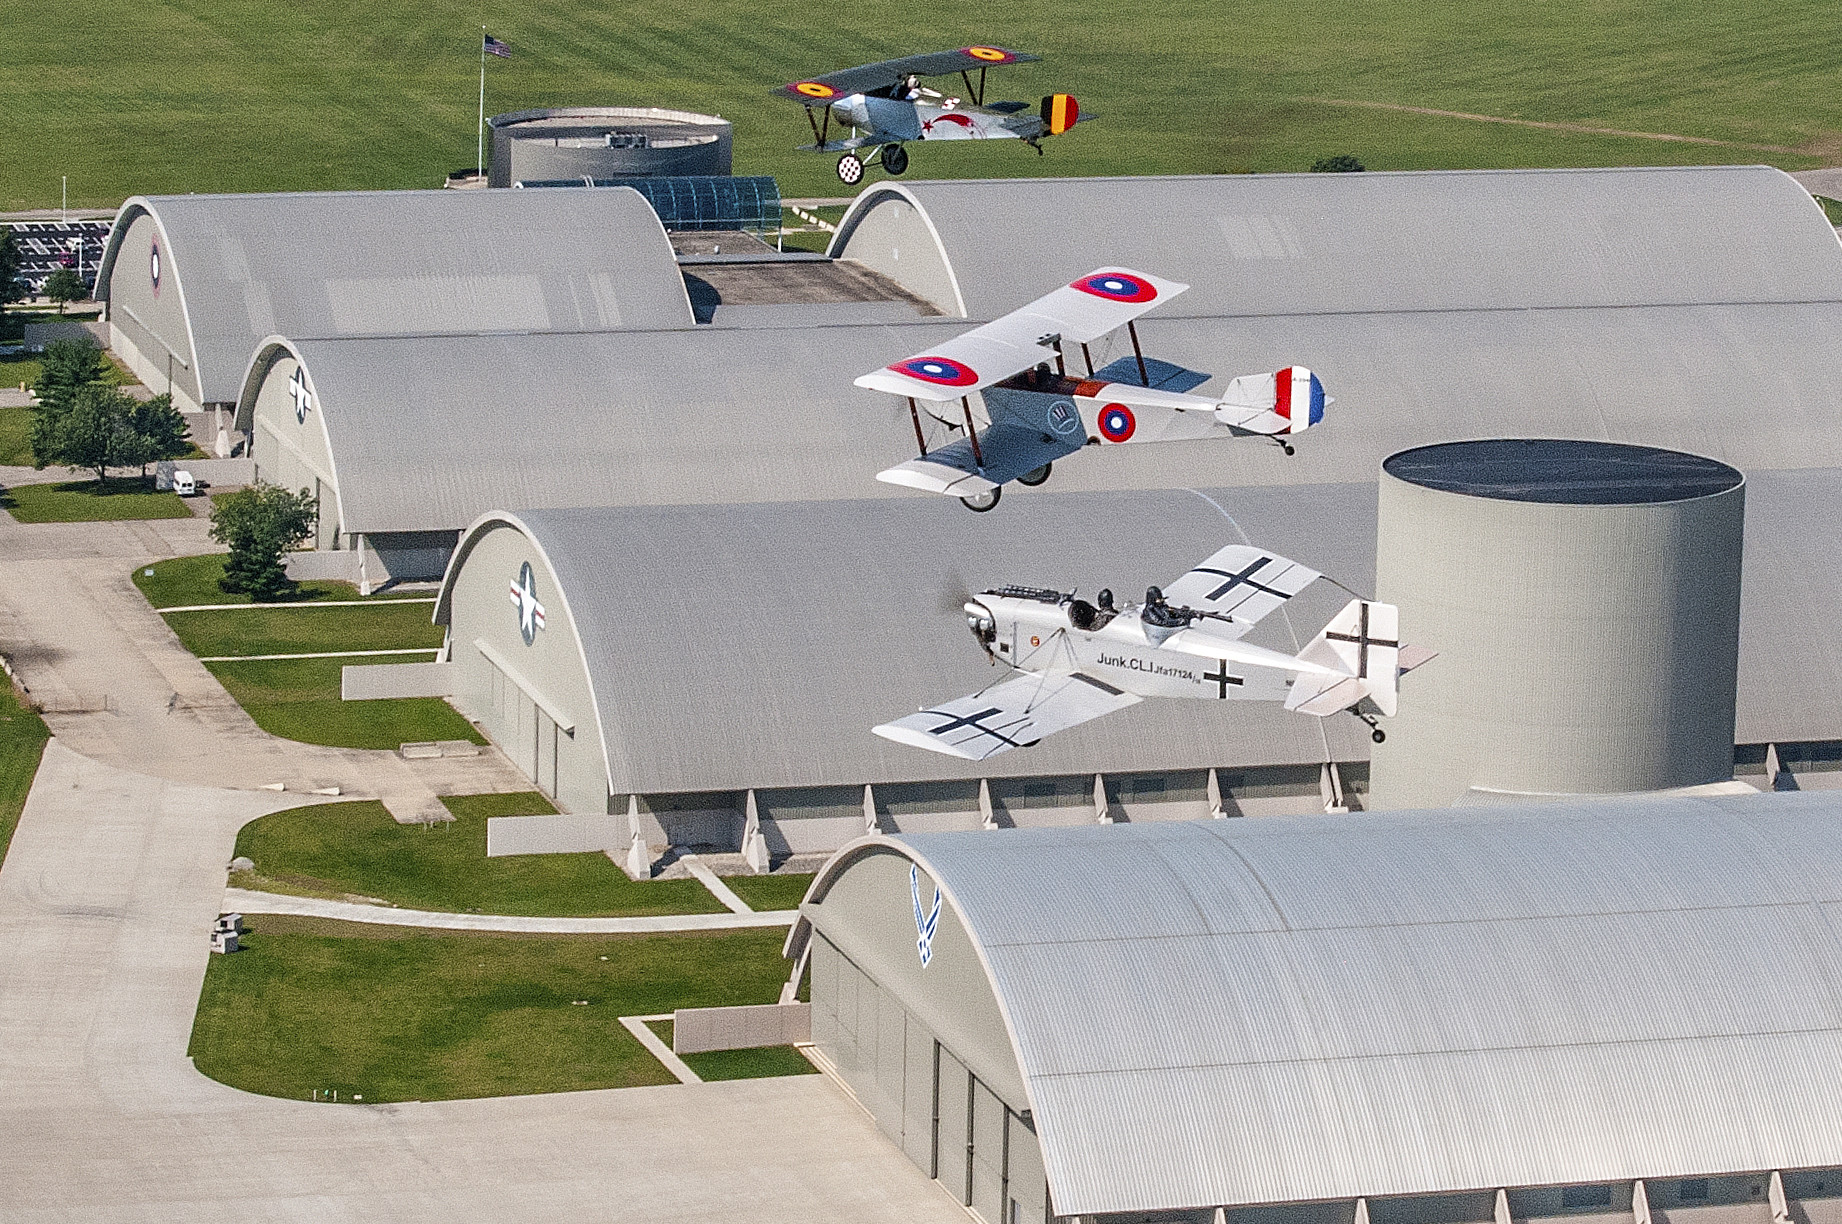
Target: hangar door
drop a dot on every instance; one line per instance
(524, 730)
(924, 1098)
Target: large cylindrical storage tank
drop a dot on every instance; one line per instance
(1584, 598)
(605, 142)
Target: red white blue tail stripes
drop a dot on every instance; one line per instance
(1298, 397)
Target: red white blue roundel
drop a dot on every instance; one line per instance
(1117, 422)
(941, 371)
(1117, 287)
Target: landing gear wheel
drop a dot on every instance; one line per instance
(1379, 736)
(1287, 448)
(1036, 476)
(850, 168)
(894, 158)
(979, 503)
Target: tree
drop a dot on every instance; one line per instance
(11, 287)
(64, 286)
(259, 524)
(90, 432)
(67, 367)
(156, 431)
(1342, 163)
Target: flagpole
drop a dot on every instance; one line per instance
(479, 133)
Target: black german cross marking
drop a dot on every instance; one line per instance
(1244, 578)
(1363, 642)
(1223, 680)
(972, 720)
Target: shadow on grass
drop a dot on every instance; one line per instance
(88, 501)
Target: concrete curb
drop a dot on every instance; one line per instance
(249, 901)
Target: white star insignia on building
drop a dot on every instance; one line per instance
(524, 598)
(297, 390)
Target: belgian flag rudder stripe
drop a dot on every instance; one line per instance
(1059, 113)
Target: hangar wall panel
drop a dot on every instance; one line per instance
(891, 236)
(525, 705)
(148, 322)
(289, 445)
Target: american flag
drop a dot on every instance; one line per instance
(495, 47)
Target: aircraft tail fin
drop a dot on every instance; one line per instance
(1286, 401)
(1361, 649)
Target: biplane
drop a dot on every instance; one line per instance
(886, 106)
(1036, 413)
(1076, 661)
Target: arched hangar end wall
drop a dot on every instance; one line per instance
(531, 695)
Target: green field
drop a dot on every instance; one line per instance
(81, 501)
(315, 1005)
(298, 699)
(340, 849)
(186, 96)
(15, 434)
(22, 742)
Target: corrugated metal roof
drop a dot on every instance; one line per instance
(370, 263)
(773, 637)
(1246, 1011)
(1387, 242)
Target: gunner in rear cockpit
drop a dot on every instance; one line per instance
(1159, 613)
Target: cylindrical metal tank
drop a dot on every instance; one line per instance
(1584, 598)
(603, 142)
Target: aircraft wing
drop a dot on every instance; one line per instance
(1242, 583)
(868, 78)
(1009, 448)
(1014, 713)
(1085, 310)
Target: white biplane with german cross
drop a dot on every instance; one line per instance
(1035, 413)
(1076, 661)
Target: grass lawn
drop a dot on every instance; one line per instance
(432, 1015)
(15, 434)
(759, 1063)
(80, 501)
(257, 631)
(298, 699)
(22, 742)
(770, 892)
(340, 849)
(184, 581)
(268, 95)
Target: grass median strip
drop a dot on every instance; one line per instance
(184, 582)
(298, 699)
(22, 743)
(269, 631)
(315, 1005)
(770, 892)
(83, 501)
(344, 850)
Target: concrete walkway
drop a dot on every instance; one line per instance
(249, 901)
(106, 899)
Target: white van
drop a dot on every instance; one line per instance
(183, 484)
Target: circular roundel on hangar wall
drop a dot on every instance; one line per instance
(153, 267)
(1117, 423)
(524, 598)
(1117, 287)
(941, 371)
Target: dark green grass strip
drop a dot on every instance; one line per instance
(770, 892)
(370, 1011)
(81, 501)
(260, 631)
(184, 581)
(340, 849)
(22, 743)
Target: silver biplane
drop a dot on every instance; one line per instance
(886, 106)
(1036, 413)
(1076, 661)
